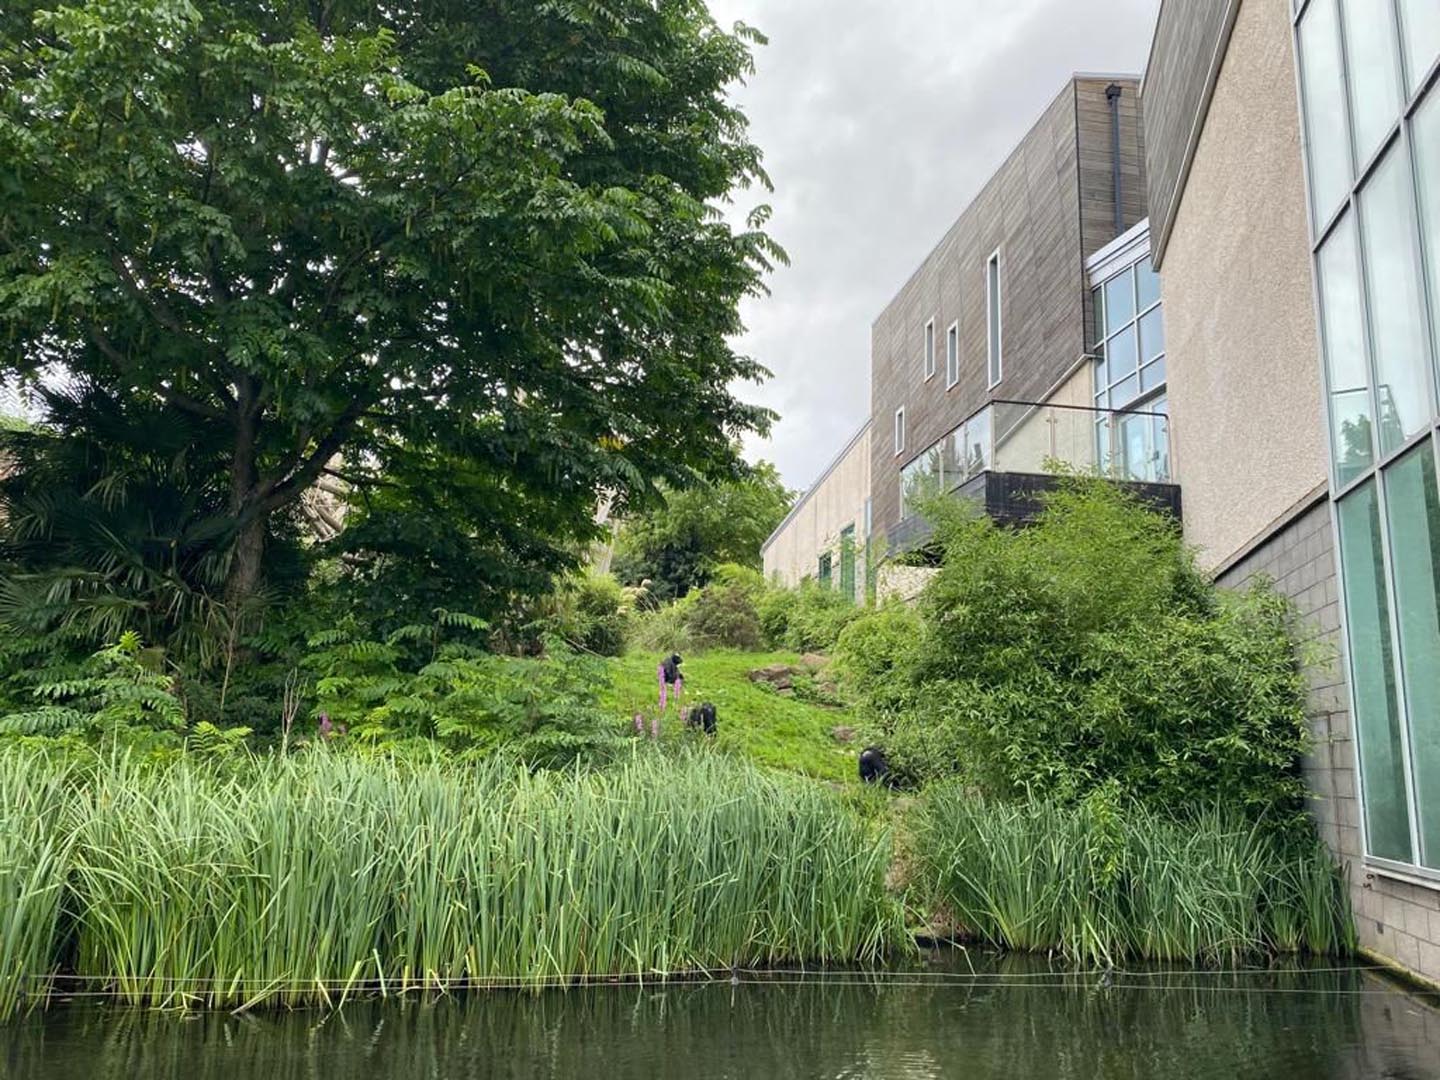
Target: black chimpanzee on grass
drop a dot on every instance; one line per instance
(702, 718)
(874, 769)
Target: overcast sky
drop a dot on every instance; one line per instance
(880, 120)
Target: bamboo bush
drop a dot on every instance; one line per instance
(307, 880)
(1101, 884)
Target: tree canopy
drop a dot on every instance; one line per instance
(677, 547)
(466, 256)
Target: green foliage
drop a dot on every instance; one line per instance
(544, 711)
(808, 618)
(310, 879)
(592, 612)
(1107, 881)
(1088, 650)
(724, 616)
(681, 544)
(462, 256)
(121, 694)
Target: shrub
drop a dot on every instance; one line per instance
(1088, 649)
(723, 615)
(808, 618)
(664, 629)
(593, 613)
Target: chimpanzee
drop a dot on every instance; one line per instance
(702, 717)
(874, 769)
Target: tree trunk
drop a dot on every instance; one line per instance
(247, 562)
(247, 565)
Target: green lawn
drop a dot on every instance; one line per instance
(754, 722)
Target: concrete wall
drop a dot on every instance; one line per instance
(814, 525)
(1243, 355)
(1396, 919)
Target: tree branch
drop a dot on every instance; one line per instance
(169, 395)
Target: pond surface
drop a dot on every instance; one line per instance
(997, 1018)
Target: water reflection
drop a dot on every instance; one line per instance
(1008, 1019)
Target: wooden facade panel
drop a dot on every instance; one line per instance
(1040, 209)
(1189, 36)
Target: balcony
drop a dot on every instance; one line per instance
(1007, 454)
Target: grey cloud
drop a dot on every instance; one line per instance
(879, 122)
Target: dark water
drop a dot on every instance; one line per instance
(1012, 1019)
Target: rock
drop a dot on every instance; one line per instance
(813, 661)
(780, 676)
(842, 734)
(785, 691)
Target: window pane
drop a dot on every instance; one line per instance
(1324, 108)
(929, 349)
(1121, 353)
(992, 293)
(952, 356)
(1152, 375)
(1119, 301)
(1147, 283)
(1377, 722)
(1097, 298)
(1413, 506)
(1420, 23)
(1373, 67)
(967, 450)
(1392, 279)
(1344, 328)
(1125, 392)
(1152, 336)
(1102, 371)
(1426, 129)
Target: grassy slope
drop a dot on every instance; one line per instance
(755, 723)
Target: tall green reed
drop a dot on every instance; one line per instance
(310, 879)
(1133, 884)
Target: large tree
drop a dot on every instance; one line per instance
(356, 236)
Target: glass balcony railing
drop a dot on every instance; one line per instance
(1131, 445)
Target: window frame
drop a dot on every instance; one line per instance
(1416, 91)
(952, 356)
(927, 364)
(994, 322)
(900, 431)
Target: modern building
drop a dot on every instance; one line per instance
(1293, 164)
(984, 365)
(826, 535)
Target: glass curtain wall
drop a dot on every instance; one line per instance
(1130, 374)
(1368, 70)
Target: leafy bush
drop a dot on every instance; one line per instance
(808, 618)
(1087, 650)
(544, 710)
(723, 614)
(121, 693)
(592, 613)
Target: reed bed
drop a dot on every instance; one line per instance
(308, 880)
(1109, 886)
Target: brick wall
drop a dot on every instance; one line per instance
(1396, 919)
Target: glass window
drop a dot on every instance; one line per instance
(1420, 32)
(1152, 375)
(1413, 509)
(1426, 131)
(847, 563)
(1344, 329)
(1121, 355)
(1377, 721)
(1124, 392)
(930, 349)
(900, 430)
(825, 564)
(1374, 71)
(992, 305)
(1147, 284)
(1324, 91)
(952, 355)
(1152, 335)
(1097, 298)
(966, 450)
(920, 480)
(1119, 301)
(1397, 327)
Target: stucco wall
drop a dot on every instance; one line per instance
(1244, 369)
(836, 500)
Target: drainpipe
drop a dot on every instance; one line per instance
(1112, 95)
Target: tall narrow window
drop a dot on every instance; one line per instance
(847, 563)
(992, 316)
(952, 355)
(825, 571)
(900, 430)
(930, 349)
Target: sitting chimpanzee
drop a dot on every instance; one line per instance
(702, 718)
(874, 769)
